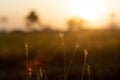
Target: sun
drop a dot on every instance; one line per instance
(89, 9)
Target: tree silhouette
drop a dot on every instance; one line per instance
(32, 19)
(75, 23)
(112, 21)
(3, 21)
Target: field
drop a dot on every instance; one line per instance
(103, 54)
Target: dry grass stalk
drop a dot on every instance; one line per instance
(61, 35)
(71, 60)
(84, 65)
(88, 70)
(26, 51)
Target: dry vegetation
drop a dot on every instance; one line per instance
(103, 57)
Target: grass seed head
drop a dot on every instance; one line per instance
(26, 45)
(85, 52)
(61, 35)
(77, 46)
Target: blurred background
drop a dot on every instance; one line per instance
(47, 29)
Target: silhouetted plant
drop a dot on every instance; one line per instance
(85, 63)
(27, 67)
(32, 18)
(88, 70)
(112, 21)
(71, 60)
(61, 35)
(75, 23)
(67, 68)
(3, 21)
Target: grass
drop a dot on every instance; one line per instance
(85, 63)
(103, 57)
(27, 64)
(70, 61)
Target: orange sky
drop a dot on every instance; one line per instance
(56, 12)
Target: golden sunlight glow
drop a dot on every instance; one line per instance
(89, 9)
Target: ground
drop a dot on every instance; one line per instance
(102, 46)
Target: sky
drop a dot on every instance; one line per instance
(56, 12)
